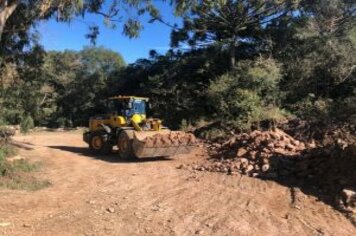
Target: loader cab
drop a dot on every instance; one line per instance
(136, 106)
(128, 106)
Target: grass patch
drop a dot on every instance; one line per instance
(23, 182)
(18, 174)
(7, 150)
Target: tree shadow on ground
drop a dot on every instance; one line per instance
(113, 157)
(323, 173)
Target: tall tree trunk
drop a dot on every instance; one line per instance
(6, 11)
(232, 52)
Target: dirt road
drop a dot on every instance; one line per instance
(104, 196)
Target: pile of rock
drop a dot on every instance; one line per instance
(275, 154)
(331, 170)
(331, 167)
(258, 153)
(326, 171)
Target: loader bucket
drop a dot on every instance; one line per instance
(162, 143)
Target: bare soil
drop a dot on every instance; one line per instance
(101, 195)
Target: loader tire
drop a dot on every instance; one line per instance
(98, 144)
(125, 141)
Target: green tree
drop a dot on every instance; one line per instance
(22, 92)
(66, 10)
(37, 9)
(228, 23)
(317, 52)
(316, 48)
(247, 95)
(176, 83)
(81, 82)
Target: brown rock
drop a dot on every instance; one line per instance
(281, 151)
(255, 175)
(274, 135)
(290, 147)
(295, 142)
(265, 167)
(253, 155)
(244, 165)
(182, 166)
(255, 133)
(349, 197)
(244, 161)
(258, 140)
(279, 144)
(241, 152)
(263, 155)
(201, 168)
(111, 210)
(311, 144)
(249, 168)
(234, 168)
(217, 164)
(301, 146)
(267, 136)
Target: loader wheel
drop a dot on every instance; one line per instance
(125, 145)
(98, 145)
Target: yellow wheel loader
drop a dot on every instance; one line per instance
(135, 135)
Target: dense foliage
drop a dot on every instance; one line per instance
(296, 58)
(64, 90)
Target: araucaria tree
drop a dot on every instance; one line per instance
(227, 23)
(65, 10)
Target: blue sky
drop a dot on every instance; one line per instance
(61, 36)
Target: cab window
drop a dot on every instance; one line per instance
(139, 107)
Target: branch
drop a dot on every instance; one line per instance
(112, 15)
(43, 100)
(5, 13)
(159, 19)
(348, 75)
(6, 9)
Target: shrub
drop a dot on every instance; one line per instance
(2, 122)
(27, 124)
(5, 135)
(248, 95)
(185, 126)
(15, 174)
(214, 134)
(8, 150)
(5, 166)
(345, 109)
(312, 108)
